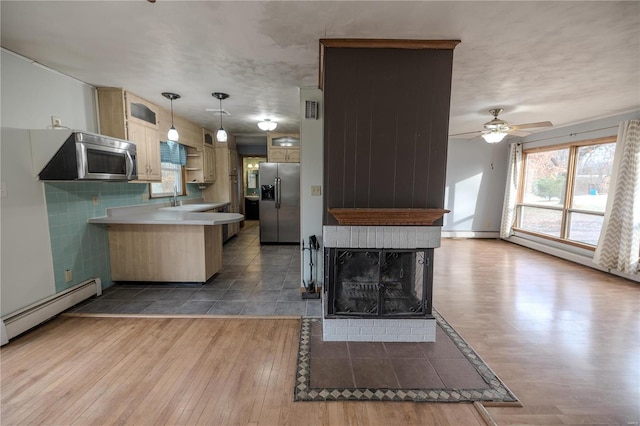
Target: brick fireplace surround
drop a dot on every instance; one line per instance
(380, 329)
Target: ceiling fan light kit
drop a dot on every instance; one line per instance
(267, 125)
(172, 134)
(496, 129)
(221, 135)
(493, 136)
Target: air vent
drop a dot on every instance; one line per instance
(311, 109)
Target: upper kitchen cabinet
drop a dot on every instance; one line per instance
(283, 147)
(126, 116)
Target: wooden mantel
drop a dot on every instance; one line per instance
(387, 217)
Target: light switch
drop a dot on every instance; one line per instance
(316, 190)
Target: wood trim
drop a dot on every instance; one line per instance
(400, 217)
(484, 414)
(382, 43)
(386, 43)
(585, 142)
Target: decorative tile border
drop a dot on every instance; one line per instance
(496, 392)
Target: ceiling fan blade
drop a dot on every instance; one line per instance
(532, 125)
(519, 133)
(465, 135)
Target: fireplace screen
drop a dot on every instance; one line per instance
(380, 283)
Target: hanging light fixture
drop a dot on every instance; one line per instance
(221, 136)
(172, 134)
(267, 125)
(494, 136)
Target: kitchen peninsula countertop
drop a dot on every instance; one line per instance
(163, 214)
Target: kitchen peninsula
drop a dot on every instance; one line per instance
(160, 243)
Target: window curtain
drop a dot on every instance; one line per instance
(511, 191)
(619, 244)
(174, 153)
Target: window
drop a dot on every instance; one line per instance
(173, 157)
(564, 190)
(172, 176)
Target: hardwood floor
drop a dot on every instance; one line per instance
(564, 338)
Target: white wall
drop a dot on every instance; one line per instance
(31, 94)
(475, 183)
(311, 172)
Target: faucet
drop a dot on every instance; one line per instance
(174, 199)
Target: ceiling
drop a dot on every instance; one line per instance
(562, 61)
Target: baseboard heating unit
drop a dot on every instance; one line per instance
(28, 317)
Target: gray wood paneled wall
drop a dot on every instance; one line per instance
(385, 129)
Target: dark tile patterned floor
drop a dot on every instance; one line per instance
(254, 280)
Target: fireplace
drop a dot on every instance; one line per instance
(378, 283)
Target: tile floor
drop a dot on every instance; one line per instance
(395, 365)
(255, 280)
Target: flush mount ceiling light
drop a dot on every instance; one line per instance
(172, 134)
(221, 136)
(494, 136)
(267, 125)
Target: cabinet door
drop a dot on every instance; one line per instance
(153, 155)
(140, 111)
(137, 133)
(209, 164)
(293, 155)
(147, 151)
(277, 155)
(233, 162)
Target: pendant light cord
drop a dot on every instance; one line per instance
(220, 99)
(171, 112)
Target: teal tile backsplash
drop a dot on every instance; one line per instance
(82, 247)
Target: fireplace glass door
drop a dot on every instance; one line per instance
(381, 283)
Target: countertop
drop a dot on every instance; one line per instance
(162, 214)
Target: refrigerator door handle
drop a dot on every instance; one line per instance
(278, 193)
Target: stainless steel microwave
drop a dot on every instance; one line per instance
(88, 156)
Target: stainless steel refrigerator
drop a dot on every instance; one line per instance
(279, 202)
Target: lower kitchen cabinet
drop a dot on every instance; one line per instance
(167, 253)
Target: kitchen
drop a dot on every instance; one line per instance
(48, 223)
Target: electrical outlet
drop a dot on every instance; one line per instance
(68, 276)
(56, 121)
(316, 190)
(145, 197)
(95, 200)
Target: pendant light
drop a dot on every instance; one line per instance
(267, 125)
(221, 136)
(172, 134)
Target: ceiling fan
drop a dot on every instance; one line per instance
(496, 129)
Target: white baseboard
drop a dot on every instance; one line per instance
(567, 255)
(470, 234)
(26, 318)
